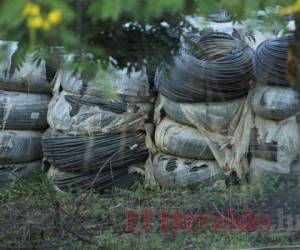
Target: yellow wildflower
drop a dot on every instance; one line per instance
(31, 10)
(54, 17)
(290, 9)
(35, 22)
(46, 25)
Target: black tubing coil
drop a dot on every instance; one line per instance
(212, 67)
(270, 61)
(100, 182)
(23, 111)
(90, 153)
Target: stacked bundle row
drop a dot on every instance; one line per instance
(202, 94)
(275, 138)
(97, 134)
(24, 97)
(95, 139)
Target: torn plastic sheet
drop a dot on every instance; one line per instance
(31, 75)
(91, 115)
(106, 81)
(276, 141)
(226, 131)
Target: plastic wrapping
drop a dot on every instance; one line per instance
(213, 67)
(203, 25)
(252, 31)
(106, 180)
(9, 173)
(89, 153)
(133, 85)
(278, 142)
(170, 170)
(225, 127)
(221, 16)
(260, 167)
(20, 146)
(215, 116)
(181, 140)
(275, 103)
(270, 62)
(32, 75)
(91, 115)
(23, 111)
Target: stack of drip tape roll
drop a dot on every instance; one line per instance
(97, 140)
(275, 138)
(203, 99)
(24, 97)
(184, 156)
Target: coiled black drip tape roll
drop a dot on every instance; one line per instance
(213, 67)
(270, 61)
(105, 181)
(89, 153)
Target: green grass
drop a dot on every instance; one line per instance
(34, 215)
